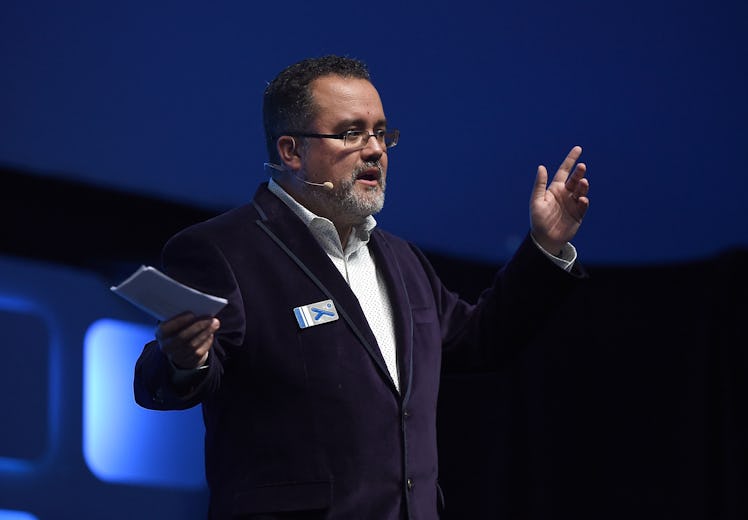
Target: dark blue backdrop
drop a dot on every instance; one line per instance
(164, 98)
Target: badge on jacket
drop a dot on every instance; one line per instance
(315, 314)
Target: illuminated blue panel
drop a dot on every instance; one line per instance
(15, 515)
(123, 442)
(24, 397)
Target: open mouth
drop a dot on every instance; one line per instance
(369, 176)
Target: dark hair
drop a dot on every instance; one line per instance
(287, 105)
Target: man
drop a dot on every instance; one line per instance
(319, 379)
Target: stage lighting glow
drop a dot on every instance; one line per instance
(123, 442)
(5, 514)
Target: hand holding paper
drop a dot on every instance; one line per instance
(186, 341)
(185, 335)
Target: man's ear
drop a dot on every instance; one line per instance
(288, 152)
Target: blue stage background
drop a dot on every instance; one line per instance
(163, 99)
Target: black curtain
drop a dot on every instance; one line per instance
(630, 403)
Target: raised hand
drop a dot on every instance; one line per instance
(557, 210)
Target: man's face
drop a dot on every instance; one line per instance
(358, 174)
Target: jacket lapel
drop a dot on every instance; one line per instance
(289, 233)
(388, 265)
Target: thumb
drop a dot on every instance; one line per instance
(541, 183)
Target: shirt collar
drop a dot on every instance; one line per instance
(322, 228)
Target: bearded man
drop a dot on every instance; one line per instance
(319, 379)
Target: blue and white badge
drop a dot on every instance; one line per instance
(315, 313)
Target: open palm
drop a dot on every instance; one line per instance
(557, 210)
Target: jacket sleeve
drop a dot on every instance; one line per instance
(197, 262)
(507, 315)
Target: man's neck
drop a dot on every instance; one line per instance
(344, 232)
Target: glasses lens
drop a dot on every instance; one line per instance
(355, 138)
(359, 138)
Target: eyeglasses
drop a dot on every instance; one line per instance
(358, 138)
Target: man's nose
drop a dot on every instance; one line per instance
(373, 147)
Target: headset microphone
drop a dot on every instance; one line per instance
(327, 184)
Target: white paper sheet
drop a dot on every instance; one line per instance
(162, 297)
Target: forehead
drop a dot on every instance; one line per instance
(338, 100)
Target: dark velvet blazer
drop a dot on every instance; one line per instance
(307, 422)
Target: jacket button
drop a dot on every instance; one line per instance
(410, 484)
(406, 413)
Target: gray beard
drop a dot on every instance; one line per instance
(349, 205)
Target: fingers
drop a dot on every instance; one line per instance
(187, 340)
(172, 325)
(576, 182)
(563, 171)
(541, 182)
(579, 197)
(580, 189)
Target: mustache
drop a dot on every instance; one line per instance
(368, 165)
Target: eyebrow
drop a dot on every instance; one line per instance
(346, 123)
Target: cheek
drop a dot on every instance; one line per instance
(344, 167)
(328, 168)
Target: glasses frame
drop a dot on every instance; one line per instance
(379, 134)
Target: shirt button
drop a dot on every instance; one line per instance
(410, 484)
(406, 413)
